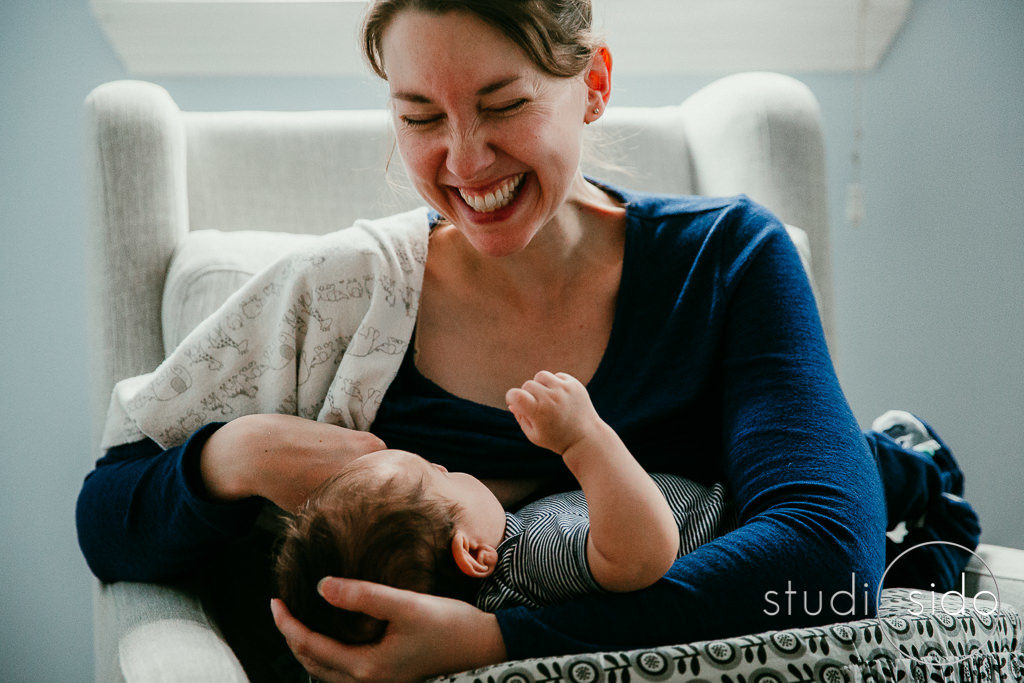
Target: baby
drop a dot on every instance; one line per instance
(394, 518)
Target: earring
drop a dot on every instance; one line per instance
(596, 110)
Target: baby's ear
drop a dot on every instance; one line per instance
(476, 560)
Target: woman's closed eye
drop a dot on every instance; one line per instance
(501, 110)
(509, 108)
(420, 120)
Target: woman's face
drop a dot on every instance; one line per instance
(489, 141)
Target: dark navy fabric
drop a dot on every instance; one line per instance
(925, 492)
(716, 370)
(720, 371)
(650, 385)
(142, 516)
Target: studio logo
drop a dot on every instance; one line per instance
(951, 604)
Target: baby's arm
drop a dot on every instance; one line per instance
(633, 536)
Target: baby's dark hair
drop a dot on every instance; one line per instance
(359, 527)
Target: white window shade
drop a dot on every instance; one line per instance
(320, 37)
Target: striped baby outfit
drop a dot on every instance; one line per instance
(543, 557)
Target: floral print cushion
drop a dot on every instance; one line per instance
(912, 639)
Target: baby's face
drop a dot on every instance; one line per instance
(469, 493)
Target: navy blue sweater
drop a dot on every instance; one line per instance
(716, 369)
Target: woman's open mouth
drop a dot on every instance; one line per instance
(494, 199)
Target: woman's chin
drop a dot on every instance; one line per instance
(502, 232)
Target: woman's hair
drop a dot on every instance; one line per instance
(555, 34)
(355, 527)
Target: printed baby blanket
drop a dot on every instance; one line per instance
(320, 334)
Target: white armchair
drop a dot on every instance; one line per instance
(158, 175)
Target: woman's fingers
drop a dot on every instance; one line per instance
(377, 600)
(317, 653)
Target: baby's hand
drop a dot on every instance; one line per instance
(554, 411)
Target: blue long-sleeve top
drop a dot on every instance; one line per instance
(716, 369)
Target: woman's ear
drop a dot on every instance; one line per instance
(477, 560)
(598, 78)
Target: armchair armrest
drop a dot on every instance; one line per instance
(151, 632)
(1007, 568)
(138, 212)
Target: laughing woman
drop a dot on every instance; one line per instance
(690, 320)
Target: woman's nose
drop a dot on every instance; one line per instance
(469, 155)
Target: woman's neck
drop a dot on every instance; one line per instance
(587, 232)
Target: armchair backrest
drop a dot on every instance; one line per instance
(157, 173)
(316, 172)
(306, 172)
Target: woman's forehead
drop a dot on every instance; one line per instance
(424, 52)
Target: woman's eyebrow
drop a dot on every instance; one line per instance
(497, 85)
(486, 90)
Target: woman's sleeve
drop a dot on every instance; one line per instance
(142, 516)
(810, 546)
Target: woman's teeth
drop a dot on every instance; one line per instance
(496, 199)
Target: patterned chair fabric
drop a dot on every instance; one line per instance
(913, 639)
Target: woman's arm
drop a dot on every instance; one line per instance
(142, 516)
(808, 494)
(281, 458)
(146, 514)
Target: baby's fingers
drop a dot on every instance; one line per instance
(523, 405)
(568, 379)
(549, 379)
(520, 402)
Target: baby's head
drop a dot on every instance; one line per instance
(389, 517)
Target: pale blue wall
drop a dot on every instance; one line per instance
(929, 287)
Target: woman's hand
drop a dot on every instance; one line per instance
(279, 457)
(426, 635)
